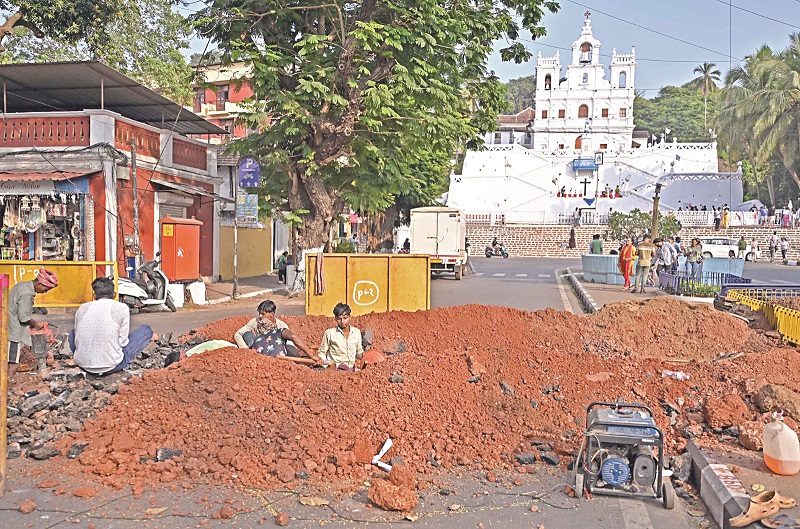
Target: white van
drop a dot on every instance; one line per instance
(720, 247)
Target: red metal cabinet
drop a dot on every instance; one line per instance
(180, 248)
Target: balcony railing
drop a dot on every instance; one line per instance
(60, 131)
(189, 154)
(148, 143)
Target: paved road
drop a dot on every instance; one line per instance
(521, 282)
(766, 272)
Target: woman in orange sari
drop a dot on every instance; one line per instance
(627, 256)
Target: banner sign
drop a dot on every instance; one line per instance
(581, 164)
(247, 207)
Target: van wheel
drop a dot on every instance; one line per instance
(170, 304)
(459, 272)
(707, 255)
(749, 256)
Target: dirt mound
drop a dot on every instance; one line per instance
(789, 303)
(232, 415)
(664, 327)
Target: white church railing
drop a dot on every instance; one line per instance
(537, 218)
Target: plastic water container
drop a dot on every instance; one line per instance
(781, 447)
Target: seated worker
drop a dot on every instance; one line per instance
(270, 336)
(100, 340)
(20, 314)
(342, 344)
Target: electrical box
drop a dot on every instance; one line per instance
(180, 248)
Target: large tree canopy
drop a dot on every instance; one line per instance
(68, 20)
(521, 93)
(679, 109)
(366, 100)
(144, 40)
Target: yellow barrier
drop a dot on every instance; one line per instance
(369, 283)
(785, 320)
(74, 279)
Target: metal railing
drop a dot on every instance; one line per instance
(682, 284)
(550, 218)
(785, 320)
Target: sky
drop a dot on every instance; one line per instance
(708, 29)
(703, 25)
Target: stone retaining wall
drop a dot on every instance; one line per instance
(551, 241)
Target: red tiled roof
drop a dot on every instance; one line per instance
(521, 117)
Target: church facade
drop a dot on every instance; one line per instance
(578, 149)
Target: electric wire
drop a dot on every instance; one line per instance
(731, 6)
(657, 32)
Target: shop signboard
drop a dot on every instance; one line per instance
(584, 164)
(25, 187)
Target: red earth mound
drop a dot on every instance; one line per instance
(249, 419)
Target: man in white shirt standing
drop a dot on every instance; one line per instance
(100, 341)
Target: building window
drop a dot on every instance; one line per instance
(604, 112)
(623, 80)
(583, 111)
(227, 124)
(547, 82)
(544, 114)
(222, 96)
(623, 112)
(562, 113)
(200, 95)
(578, 143)
(561, 146)
(603, 146)
(498, 137)
(585, 78)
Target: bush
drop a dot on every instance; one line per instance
(699, 290)
(345, 247)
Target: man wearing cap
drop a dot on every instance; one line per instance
(101, 341)
(20, 314)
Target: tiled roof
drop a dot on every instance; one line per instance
(525, 116)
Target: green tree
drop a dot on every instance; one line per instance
(706, 82)
(636, 223)
(366, 98)
(70, 21)
(144, 40)
(760, 113)
(675, 108)
(521, 92)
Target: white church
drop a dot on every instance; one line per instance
(578, 149)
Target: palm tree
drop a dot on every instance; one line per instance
(706, 82)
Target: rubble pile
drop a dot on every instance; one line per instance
(478, 387)
(43, 408)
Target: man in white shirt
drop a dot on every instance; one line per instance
(100, 341)
(341, 345)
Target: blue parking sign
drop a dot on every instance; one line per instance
(249, 172)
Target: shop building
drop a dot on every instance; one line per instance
(67, 136)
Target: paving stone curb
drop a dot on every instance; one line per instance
(723, 493)
(585, 299)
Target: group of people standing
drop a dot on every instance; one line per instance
(651, 257)
(786, 217)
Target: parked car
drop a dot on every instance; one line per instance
(720, 246)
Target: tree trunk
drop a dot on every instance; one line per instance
(771, 188)
(756, 182)
(308, 192)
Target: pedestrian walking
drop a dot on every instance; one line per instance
(646, 251)
(717, 218)
(596, 246)
(694, 259)
(742, 247)
(627, 256)
(784, 247)
(773, 242)
(283, 262)
(756, 249)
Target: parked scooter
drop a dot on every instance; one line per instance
(149, 288)
(498, 250)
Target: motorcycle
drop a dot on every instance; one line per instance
(149, 288)
(498, 250)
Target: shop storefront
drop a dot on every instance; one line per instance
(46, 217)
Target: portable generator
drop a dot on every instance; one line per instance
(622, 453)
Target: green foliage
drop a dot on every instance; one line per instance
(679, 109)
(759, 116)
(368, 101)
(69, 21)
(700, 290)
(144, 40)
(345, 247)
(294, 219)
(636, 224)
(521, 93)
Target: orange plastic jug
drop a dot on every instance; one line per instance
(781, 447)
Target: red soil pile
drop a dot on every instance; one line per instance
(249, 419)
(789, 303)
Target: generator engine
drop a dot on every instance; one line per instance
(622, 453)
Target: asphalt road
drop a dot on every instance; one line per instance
(765, 272)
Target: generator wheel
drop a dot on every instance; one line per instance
(668, 494)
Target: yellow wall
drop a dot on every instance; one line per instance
(255, 252)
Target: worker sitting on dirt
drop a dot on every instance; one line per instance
(100, 340)
(20, 315)
(342, 344)
(270, 336)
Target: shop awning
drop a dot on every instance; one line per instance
(189, 189)
(23, 183)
